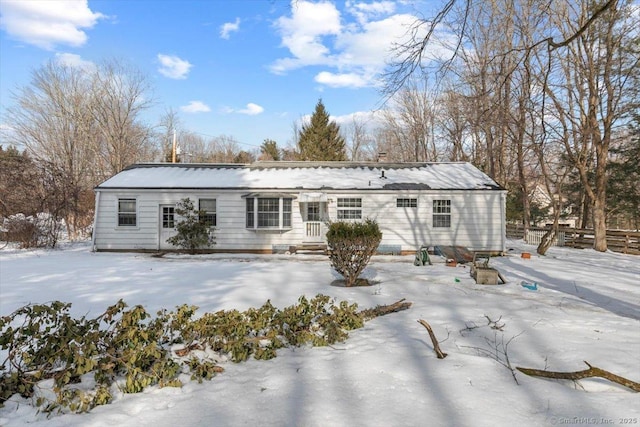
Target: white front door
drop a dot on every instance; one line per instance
(167, 223)
(314, 214)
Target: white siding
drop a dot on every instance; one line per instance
(477, 219)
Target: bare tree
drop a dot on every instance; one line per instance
(120, 96)
(53, 119)
(410, 119)
(80, 125)
(191, 147)
(455, 16)
(359, 142)
(169, 126)
(453, 126)
(226, 149)
(588, 96)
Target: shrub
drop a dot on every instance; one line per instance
(193, 231)
(351, 246)
(131, 349)
(37, 231)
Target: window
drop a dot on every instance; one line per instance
(208, 206)
(250, 213)
(127, 216)
(286, 213)
(442, 213)
(313, 211)
(407, 203)
(269, 212)
(168, 216)
(349, 208)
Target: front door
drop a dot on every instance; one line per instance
(167, 224)
(314, 214)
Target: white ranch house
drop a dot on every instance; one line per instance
(270, 207)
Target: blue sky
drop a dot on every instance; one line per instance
(245, 68)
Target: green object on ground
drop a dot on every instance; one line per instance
(422, 256)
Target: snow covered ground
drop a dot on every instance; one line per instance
(586, 308)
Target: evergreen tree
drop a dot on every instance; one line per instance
(320, 139)
(269, 150)
(623, 192)
(193, 231)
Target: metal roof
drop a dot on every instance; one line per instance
(302, 176)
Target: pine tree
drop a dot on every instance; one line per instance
(269, 150)
(193, 231)
(320, 139)
(623, 193)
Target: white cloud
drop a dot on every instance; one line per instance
(228, 27)
(341, 80)
(47, 23)
(371, 119)
(354, 51)
(251, 109)
(195, 107)
(302, 34)
(366, 11)
(370, 45)
(173, 67)
(76, 61)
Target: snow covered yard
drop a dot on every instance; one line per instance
(586, 308)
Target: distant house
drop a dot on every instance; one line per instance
(541, 198)
(269, 207)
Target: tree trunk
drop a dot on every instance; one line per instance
(547, 240)
(599, 226)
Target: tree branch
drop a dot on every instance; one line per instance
(381, 310)
(578, 375)
(409, 55)
(436, 346)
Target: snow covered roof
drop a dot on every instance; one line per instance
(303, 175)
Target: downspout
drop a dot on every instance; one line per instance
(503, 219)
(95, 221)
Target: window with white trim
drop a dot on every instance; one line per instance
(406, 203)
(208, 207)
(442, 213)
(286, 213)
(313, 211)
(168, 216)
(269, 212)
(349, 208)
(127, 213)
(250, 213)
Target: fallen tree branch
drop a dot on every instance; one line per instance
(578, 375)
(181, 352)
(436, 346)
(381, 310)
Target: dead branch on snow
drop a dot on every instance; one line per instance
(436, 346)
(578, 375)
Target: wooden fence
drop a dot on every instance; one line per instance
(626, 242)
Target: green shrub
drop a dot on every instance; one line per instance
(193, 231)
(351, 245)
(133, 350)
